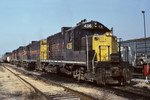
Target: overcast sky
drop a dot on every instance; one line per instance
(22, 21)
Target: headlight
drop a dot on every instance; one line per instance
(109, 34)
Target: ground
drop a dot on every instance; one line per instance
(12, 88)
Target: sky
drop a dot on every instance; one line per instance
(23, 21)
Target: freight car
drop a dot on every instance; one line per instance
(87, 52)
(135, 52)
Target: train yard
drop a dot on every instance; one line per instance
(58, 87)
(75, 50)
(69, 65)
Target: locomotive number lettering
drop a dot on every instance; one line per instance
(87, 26)
(69, 45)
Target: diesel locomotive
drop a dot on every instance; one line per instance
(89, 51)
(7, 57)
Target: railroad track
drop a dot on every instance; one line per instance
(141, 93)
(144, 94)
(67, 94)
(37, 91)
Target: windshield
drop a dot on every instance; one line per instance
(95, 32)
(89, 32)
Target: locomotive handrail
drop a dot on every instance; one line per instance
(87, 51)
(93, 60)
(100, 55)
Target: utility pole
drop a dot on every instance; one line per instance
(144, 31)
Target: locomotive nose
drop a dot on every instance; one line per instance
(101, 45)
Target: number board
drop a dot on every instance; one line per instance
(92, 26)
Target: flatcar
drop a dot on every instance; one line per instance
(88, 51)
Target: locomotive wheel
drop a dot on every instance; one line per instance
(56, 69)
(121, 81)
(101, 77)
(43, 67)
(75, 74)
(78, 74)
(38, 66)
(127, 75)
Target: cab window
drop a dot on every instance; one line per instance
(70, 36)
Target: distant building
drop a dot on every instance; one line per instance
(133, 50)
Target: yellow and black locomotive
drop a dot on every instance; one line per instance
(88, 51)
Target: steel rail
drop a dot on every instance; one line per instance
(77, 93)
(46, 97)
(140, 92)
(143, 93)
